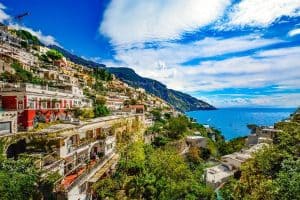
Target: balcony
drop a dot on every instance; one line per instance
(82, 173)
(41, 89)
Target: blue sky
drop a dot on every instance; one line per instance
(227, 52)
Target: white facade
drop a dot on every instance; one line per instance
(196, 141)
(8, 122)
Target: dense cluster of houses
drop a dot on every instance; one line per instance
(81, 151)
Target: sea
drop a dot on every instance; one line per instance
(232, 122)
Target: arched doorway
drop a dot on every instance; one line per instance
(15, 149)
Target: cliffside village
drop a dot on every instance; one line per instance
(82, 150)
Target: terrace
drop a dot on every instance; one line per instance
(82, 173)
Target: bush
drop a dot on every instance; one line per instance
(54, 54)
(101, 110)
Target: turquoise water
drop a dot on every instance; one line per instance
(232, 122)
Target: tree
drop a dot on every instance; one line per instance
(54, 54)
(18, 179)
(193, 155)
(25, 35)
(102, 74)
(101, 110)
(133, 158)
(177, 126)
(156, 114)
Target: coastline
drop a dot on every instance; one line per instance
(232, 122)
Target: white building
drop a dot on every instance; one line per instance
(231, 163)
(8, 122)
(196, 141)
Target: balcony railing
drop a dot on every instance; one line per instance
(31, 87)
(89, 169)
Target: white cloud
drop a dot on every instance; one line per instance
(127, 22)
(265, 68)
(3, 15)
(164, 62)
(262, 12)
(294, 32)
(45, 39)
(272, 100)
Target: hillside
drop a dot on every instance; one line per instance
(179, 100)
(77, 59)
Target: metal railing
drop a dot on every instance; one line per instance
(88, 171)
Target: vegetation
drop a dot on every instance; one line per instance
(21, 75)
(54, 54)
(148, 173)
(102, 74)
(100, 109)
(178, 100)
(20, 180)
(231, 146)
(84, 113)
(25, 35)
(274, 172)
(130, 102)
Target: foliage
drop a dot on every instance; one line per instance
(46, 185)
(102, 74)
(177, 127)
(231, 146)
(98, 86)
(156, 113)
(193, 155)
(21, 75)
(54, 54)
(18, 179)
(160, 141)
(84, 113)
(273, 173)
(178, 100)
(147, 173)
(101, 110)
(130, 102)
(25, 35)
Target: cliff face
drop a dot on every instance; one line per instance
(179, 100)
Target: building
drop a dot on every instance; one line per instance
(114, 103)
(6, 37)
(84, 153)
(8, 122)
(264, 134)
(36, 103)
(219, 174)
(12, 54)
(137, 109)
(5, 67)
(61, 62)
(196, 141)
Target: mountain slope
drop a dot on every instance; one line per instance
(77, 59)
(179, 100)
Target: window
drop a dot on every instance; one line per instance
(57, 105)
(43, 105)
(5, 127)
(20, 105)
(30, 104)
